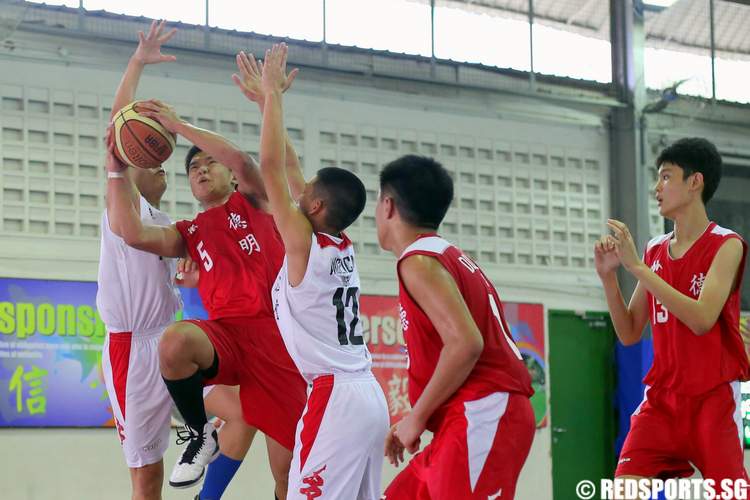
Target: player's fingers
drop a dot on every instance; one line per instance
(253, 63)
(239, 60)
(245, 65)
(168, 36)
(159, 28)
(141, 37)
(238, 81)
(168, 58)
(151, 29)
(618, 233)
(289, 79)
(618, 224)
(149, 105)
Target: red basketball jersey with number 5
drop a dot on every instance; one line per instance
(239, 252)
(684, 362)
(500, 367)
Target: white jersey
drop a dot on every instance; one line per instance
(319, 318)
(136, 289)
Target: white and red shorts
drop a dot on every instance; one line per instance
(338, 450)
(141, 405)
(477, 452)
(669, 431)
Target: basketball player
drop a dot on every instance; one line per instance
(689, 291)
(339, 441)
(240, 252)
(467, 382)
(137, 300)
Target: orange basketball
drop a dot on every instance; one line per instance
(141, 141)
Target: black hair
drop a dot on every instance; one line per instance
(695, 154)
(421, 187)
(189, 157)
(344, 194)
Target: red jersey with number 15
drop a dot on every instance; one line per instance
(239, 251)
(684, 362)
(500, 367)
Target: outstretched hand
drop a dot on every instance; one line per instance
(249, 78)
(149, 45)
(273, 75)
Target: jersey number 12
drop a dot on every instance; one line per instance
(341, 304)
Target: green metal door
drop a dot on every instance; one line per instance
(582, 383)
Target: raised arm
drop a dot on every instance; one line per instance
(147, 52)
(293, 226)
(124, 216)
(249, 82)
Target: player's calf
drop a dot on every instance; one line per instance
(147, 481)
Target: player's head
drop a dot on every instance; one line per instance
(689, 171)
(415, 191)
(151, 182)
(333, 199)
(209, 179)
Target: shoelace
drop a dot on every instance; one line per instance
(185, 434)
(195, 444)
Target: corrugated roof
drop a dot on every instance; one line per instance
(683, 25)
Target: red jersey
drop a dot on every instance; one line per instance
(684, 362)
(499, 368)
(240, 253)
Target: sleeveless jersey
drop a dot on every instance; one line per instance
(319, 318)
(136, 291)
(239, 251)
(499, 368)
(684, 362)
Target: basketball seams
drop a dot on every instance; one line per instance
(138, 141)
(145, 121)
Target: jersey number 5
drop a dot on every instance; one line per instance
(351, 300)
(208, 264)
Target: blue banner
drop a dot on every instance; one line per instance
(51, 340)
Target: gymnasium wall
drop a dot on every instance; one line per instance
(532, 194)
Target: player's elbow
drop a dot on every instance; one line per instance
(702, 325)
(132, 237)
(473, 346)
(628, 340)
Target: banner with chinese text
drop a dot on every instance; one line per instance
(385, 339)
(51, 340)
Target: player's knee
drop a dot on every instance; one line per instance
(174, 344)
